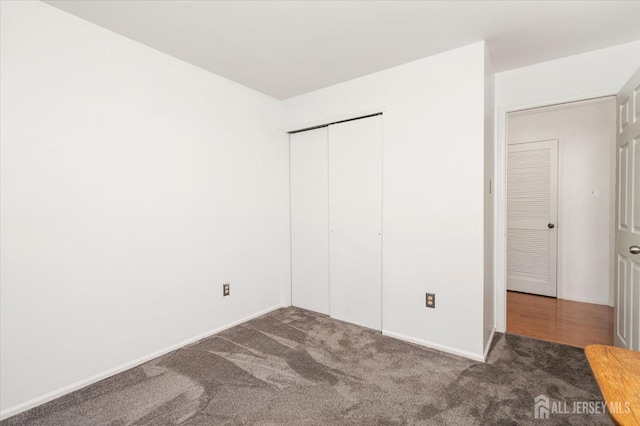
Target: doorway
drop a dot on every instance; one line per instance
(560, 224)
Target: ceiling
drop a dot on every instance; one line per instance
(287, 48)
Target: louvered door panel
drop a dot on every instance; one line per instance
(532, 192)
(529, 254)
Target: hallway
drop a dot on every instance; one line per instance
(562, 321)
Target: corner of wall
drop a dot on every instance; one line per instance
(156, 197)
(489, 200)
(286, 208)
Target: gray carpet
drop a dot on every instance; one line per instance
(294, 367)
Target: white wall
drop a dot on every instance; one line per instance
(598, 73)
(586, 131)
(433, 182)
(489, 202)
(133, 186)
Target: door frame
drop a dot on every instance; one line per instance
(500, 224)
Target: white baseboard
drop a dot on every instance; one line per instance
(443, 348)
(486, 349)
(17, 409)
(585, 300)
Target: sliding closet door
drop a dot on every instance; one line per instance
(309, 220)
(355, 221)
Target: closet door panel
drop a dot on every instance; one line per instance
(309, 220)
(355, 221)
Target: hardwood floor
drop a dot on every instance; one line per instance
(562, 321)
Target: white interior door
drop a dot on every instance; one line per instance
(627, 282)
(355, 220)
(532, 212)
(309, 220)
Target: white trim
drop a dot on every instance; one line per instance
(560, 219)
(563, 106)
(380, 109)
(585, 300)
(500, 187)
(443, 348)
(17, 409)
(486, 349)
(501, 220)
(289, 249)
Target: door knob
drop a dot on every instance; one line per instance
(634, 250)
(551, 226)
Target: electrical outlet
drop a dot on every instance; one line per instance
(431, 300)
(225, 289)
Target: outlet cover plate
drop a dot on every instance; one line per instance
(431, 300)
